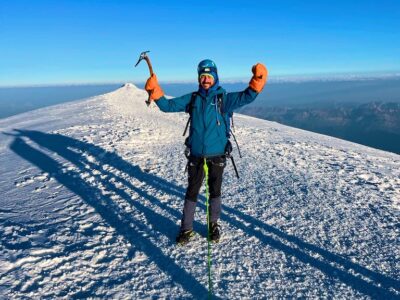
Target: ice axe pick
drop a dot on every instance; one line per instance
(144, 56)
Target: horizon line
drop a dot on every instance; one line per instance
(232, 80)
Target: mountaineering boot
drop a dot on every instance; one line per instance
(184, 237)
(214, 232)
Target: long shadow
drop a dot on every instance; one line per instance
(74, 150)
(379, 286)
(384, 281)
(116, 217)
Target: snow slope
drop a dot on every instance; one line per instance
(92, 191)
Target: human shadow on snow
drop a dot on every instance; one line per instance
(133, 230)
(333, 265)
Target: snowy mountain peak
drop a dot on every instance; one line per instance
(91, 195)
(129, 85)
(126, 100)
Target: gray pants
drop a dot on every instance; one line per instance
(189, 209)
(216, 167)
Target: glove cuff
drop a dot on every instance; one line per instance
(257, 84)
(156, 93)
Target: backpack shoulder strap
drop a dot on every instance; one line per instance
(189, 107)
(220, 101)
(229, 118)
(189, 110)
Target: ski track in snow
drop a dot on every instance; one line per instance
(92, 192)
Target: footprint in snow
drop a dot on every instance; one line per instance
(25, 181)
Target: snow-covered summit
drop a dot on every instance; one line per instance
(129, 85)
(91, 195)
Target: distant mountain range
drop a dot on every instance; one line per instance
(374, 124)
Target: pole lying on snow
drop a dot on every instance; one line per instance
(144, 56)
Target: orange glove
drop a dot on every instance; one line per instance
(153, 88)
(260, 74)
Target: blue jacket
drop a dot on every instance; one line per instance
(206, 137)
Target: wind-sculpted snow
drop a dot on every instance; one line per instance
(92, 192)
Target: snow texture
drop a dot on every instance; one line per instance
(91, 194)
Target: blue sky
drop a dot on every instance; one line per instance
(48, 42)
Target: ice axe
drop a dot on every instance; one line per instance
(144, 56)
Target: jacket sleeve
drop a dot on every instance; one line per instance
(239, 99)
(174, 104)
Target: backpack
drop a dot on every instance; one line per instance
(228, 120)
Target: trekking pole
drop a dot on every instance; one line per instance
(144, 56)
(237, 144)
(208, 231)
(234, 167)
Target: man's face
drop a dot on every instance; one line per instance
(206, 81)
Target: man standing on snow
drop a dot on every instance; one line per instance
(208, 138)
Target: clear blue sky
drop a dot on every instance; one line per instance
(47, 42)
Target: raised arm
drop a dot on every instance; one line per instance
(175, 104)
(256, 84)
(166, 105)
